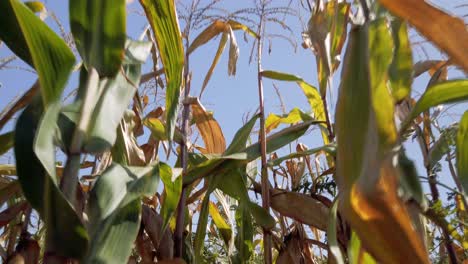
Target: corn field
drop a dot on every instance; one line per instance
(113, 155)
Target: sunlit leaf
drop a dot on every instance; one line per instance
(207, 34)
(163, 19)
(296, 115)
(313, 96)
(235, 25)
(219, 52)
(34, 42)
(357, 254)
(247, 154)
(440, 93)
(233, 53)
(367, 178)
(223, 227)
(462, 151)
(99, 29)
(173, 189)
(450, 34)
(126, 150)
(209, 129)
(380, 58)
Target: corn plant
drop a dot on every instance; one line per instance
(156, 182)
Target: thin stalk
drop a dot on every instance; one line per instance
(262, 139)
(180, 221)
(72, 166)
(456, 180)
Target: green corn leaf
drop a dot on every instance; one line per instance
(6, 142)
(99, 29)
(35, 43)
(400, 71)
(462, 151)
(65, 233)
(335, 248)
(173, 189)
(115, 211)
(440, 93)
(164, 22)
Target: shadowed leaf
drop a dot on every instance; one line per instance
(99, 30)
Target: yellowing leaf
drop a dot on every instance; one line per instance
(296, 115)
(206, 35)
(447, 32)
(219, 51)
(163, 19)
(380, 219)
(313, 96)
(209, 129)
(223, 227)
(239, 26)
(233, 53)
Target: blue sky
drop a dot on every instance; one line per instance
(232, 97)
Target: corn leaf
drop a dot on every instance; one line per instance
(440, 93)
(335, 248)
(296, 115)
(99, 29)
(366, 176)
(209, 129)
(300, 207)
(401, 67)
(357, 254)
(330, 149)
(310, 92)
(247, 154)
(6, 142)
(219, 51)
(223, 227)
(450, 34)
(163, 19)
(34, 42)
(68, 235)
(462, 151)
(173, 189)
(115, 210)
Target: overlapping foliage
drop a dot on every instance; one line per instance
(118, 198)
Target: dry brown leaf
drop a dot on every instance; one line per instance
(27, 252)
(300, 207)
(172, 261)
(210, 32)
(447, 32)
(380, 219)
(209, 129)
(153, 224)
(291, 253)
(22, 102)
